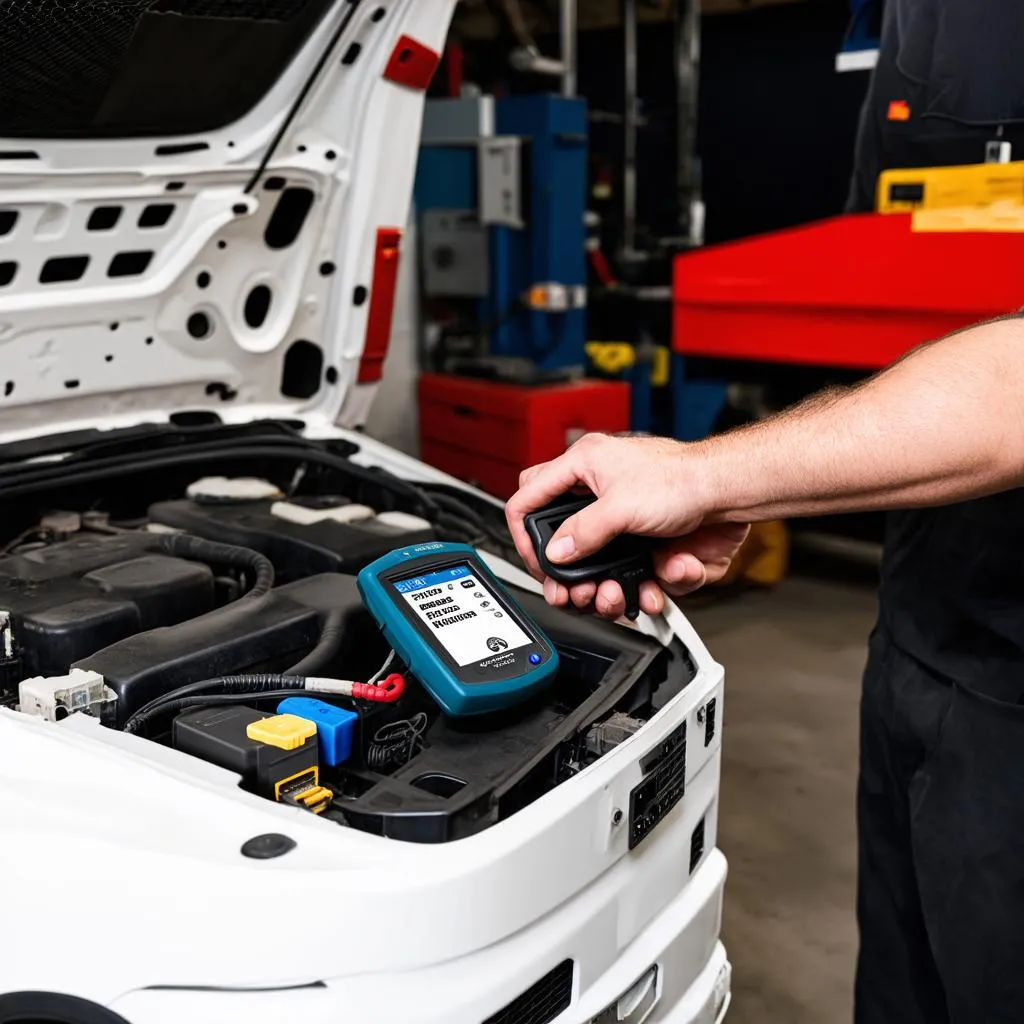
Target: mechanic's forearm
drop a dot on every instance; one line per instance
(944, 424)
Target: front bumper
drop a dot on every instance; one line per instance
(693, 978)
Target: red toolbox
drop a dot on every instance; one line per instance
(486, 433)
(856, 291)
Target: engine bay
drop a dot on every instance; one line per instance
(196, 586)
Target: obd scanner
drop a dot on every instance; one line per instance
(626, 560)
(457, 628)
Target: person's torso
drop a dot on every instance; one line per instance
(953, 578)
(952, 592)
(963, 55)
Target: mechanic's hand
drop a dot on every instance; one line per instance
(643, 485)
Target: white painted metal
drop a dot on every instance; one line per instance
(121, 879)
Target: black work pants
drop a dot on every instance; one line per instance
(941, 848)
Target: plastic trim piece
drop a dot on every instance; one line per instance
(382, 304)
(412, 64)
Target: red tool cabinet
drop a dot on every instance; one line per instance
(486, 432)
(856, 291)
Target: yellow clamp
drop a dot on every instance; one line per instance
(616, 357)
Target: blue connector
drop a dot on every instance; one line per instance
(334, 726)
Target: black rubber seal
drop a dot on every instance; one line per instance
(43, 1007)
(265, 847)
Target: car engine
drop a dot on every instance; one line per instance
(187, 609)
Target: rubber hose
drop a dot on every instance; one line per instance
(198, 549)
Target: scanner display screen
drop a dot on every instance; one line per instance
(462, 613)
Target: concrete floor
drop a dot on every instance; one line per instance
(793, 659)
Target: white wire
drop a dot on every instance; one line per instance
(380, 672)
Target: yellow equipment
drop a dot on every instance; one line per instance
(974, 197)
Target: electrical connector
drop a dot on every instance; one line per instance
(276, 755)
(56, 697)
(387, 692)
(334, 726)
(304, 790)
(10, 657)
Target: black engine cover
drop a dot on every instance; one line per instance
(264, 636)
(297, 550)
(70, 599)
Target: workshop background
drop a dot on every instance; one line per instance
(628, 215)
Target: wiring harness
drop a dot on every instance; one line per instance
(278, 445)
(382, 688)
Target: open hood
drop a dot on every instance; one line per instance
(201, 205)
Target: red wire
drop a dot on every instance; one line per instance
(387, 693)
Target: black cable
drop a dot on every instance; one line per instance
(18, 483)
(307, 87)
(459, 508)
(227, 446)
(240, 685)
(26, 480)
(198, 549)
(326, 649)
(396, 742)
(464, 511)
(431, 503)
(207, 701)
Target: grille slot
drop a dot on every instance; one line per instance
(542, 1002)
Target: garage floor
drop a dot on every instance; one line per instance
(793, 659)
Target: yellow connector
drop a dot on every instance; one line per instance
(288, 732)
(304, 790)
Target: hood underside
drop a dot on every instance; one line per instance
(201, 204)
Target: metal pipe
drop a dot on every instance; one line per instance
(687, 90)
(532, 62)
(567, 26)
(630, 128)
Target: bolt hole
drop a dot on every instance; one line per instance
(203, 280)
(326, 269)
(331, 375)
(359, 295)
(9, 389)
(114, 326)
(199, 326)
(302, 149)
(149, 341)
(222, 244)
(405, 56)
(231, 145)
(257, 306)
(330, 154)
(108, 359)
(71, 384)
(240, 208)
(378, 14)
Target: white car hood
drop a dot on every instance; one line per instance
(174, 335)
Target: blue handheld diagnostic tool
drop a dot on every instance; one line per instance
(457, 628)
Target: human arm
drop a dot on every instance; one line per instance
(945, 423)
